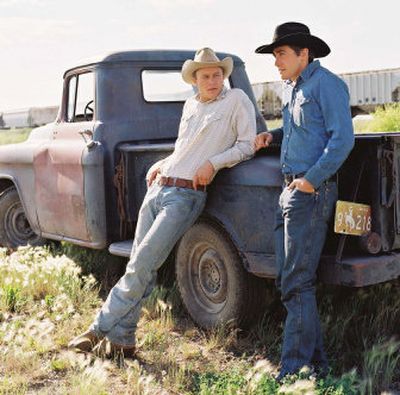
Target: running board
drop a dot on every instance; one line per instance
(121, 248)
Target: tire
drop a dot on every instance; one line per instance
(214, 286)
(15, 229)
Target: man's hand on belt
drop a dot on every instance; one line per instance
(302, 185)
(204, 174)
(153, 176)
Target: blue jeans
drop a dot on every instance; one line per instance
(165, 215)
(300, 232)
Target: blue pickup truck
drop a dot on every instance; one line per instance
(82, 179)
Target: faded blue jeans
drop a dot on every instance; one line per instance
(165, 215)
(300, 232)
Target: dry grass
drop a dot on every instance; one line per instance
(174, 356)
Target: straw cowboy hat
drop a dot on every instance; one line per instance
(295, 33)
(205, 57)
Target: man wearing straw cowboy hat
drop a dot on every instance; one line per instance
(217, 129)
(316, 137)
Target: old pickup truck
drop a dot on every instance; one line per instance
(82, 179)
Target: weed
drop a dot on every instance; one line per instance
(13, 136)
(138, 383)
(347, 384)
(53, 301)
(176, 376)
(12, 385)
(154, 337)
(91, 380)
(59, 364)
(163, 303)
(104, 267)
(386, 119)
(224, 336)
(265, 385)
(12, 298)
(190, 351)
(380, 364)
(215, 383)
(355, 320)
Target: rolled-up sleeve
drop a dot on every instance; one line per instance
(277, 135)
(244, 126)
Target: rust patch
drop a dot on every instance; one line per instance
(59, 190)
(120, 185)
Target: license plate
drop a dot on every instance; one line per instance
(352, 218)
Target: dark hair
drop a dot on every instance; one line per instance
(297, 49)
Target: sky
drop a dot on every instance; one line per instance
(40, 39)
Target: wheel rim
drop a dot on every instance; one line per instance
(208, 277)
(17, 225)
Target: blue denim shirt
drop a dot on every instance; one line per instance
(317, 133)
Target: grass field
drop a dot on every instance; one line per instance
(47, 297)
(10, 136)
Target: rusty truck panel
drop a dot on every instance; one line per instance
(59, 190)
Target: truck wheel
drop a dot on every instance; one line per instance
(214, 286)
(15, 229)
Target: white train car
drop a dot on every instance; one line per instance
(368, 89)
(372, 88)
(28, 117)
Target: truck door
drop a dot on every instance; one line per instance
(68, 170)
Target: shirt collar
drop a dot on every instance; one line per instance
(307, 72)
(221, 95)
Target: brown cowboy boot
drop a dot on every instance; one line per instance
(106, 349)
(84, 342)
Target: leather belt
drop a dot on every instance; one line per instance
(179, 182)
(288, 178)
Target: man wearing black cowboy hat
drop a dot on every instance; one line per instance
(316, 137)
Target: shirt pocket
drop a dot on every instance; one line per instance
(209, 121)
(210, 118)
(184, 124)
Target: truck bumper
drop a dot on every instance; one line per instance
(359, 271)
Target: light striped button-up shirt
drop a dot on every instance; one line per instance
(221, 131)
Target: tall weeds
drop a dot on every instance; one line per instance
(45, 300)
(386, 119)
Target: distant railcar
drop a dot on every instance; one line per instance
(368, 89)
(29, 117)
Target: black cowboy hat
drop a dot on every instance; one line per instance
(298, 34)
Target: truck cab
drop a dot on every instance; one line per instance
(82, 179)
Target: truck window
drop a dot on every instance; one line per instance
(166, 86)
(81, 98)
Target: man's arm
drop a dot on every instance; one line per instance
(244, 125)
(334, 104)
(154, 170)
(264, 139)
